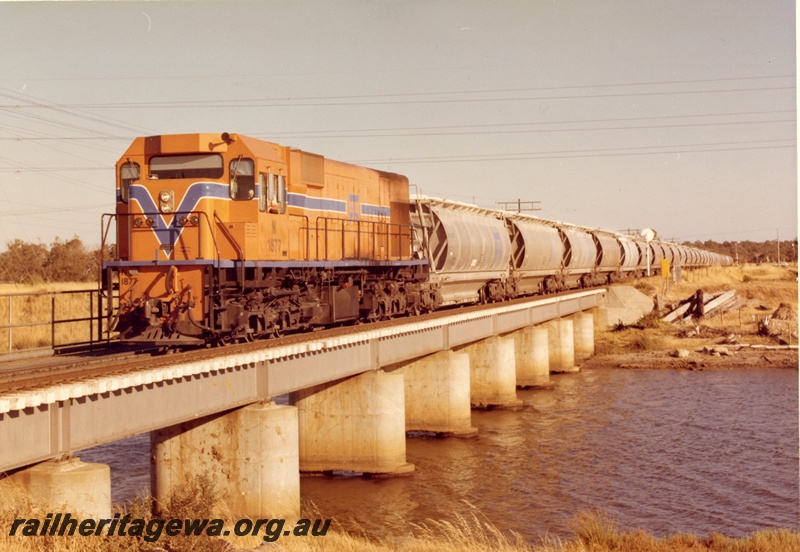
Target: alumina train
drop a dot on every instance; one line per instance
(223, 238)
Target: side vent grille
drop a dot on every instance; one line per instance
(313, 170)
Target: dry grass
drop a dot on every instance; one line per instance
(763, 287)
(593, 532)
(37, 304)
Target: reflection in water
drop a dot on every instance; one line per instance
(665, 451)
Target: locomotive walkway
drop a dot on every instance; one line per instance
(353, 394)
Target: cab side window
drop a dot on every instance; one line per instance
(272, 196)
(281, 194)
(128, 174)
(243, 180)
(262, 192)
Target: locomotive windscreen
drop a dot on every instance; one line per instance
(208, 165)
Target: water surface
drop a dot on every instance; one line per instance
(665, 451)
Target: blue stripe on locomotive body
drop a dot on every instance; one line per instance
(168, 234)
(310, 203)
(354, 263)
(375, 210)
(337, 206)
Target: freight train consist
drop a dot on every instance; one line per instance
(223, 238)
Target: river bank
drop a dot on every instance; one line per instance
(749, 336)
(759, 356)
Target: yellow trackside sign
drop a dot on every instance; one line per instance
(665, 268)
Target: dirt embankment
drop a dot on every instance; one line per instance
(739, 338)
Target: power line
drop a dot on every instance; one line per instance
(424, 131)
(22, 169)
(331, 101)
(631, 150)
(65, 109)
(504, 125)
(140, 78)
(568, 153)
(545, 130)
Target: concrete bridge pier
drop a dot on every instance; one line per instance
(355, 425)
(532, 356)
(250, 455)
(437, 394)
(561, 345)
(67, 485)
(493, 373)
(584, 335)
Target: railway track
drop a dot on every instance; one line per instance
(31, 374)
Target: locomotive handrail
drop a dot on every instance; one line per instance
(424, 229)
(239, 251)
(375, 230)
(201, 214)
(221, 224)
(103, 236)
(301, 228)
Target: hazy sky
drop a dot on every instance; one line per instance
(674, 115)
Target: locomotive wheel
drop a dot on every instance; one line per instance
(223, 340)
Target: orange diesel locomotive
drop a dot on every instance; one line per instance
(223, 237)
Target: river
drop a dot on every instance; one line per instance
(666, 451)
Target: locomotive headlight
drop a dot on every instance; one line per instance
(183, 221)
(195, 220)
(150, 222)
(137, 222)
(167, 200)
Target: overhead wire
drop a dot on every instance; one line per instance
(426, 131)
(603, 152)
(253, 102)
(304, 102)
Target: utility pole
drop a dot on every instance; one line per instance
(528, 205)
(778, 234)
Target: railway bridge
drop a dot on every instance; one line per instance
(353, 394)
